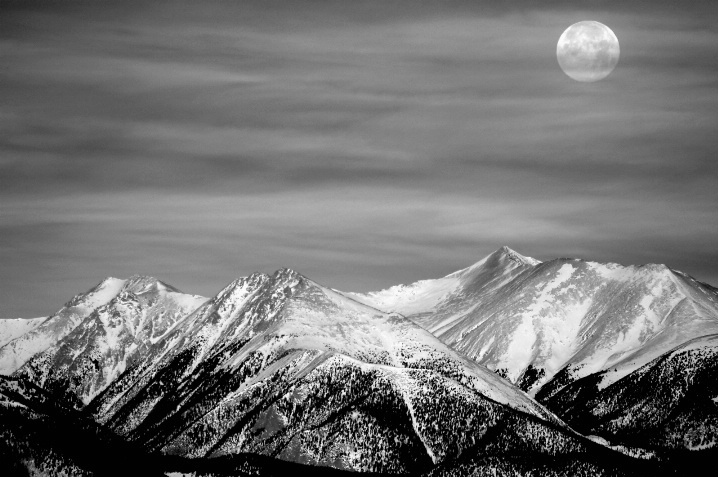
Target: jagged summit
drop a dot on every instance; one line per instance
(90, 341)
(140, 284)
(287, 274)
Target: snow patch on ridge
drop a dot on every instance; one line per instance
(18, 351)
(520, 350)
(108, 289)
(410, 299)
(12, 328)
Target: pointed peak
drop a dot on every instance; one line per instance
(254, 280)
(286, 278)
(287, 274)
(108, 283)
(103, 292)
(235, 291)
(138, 284)
(499, 258)
(655, 267)
(511, 254)
(137, 278)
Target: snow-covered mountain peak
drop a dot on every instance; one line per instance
(315, 318)
(140, 284)
(426, 296)
(16, 352)
(658, 268)
(235, 290)
(98, 295)
(234, 315)
(85, 346)
(511, 254)
(288, 276)
(501, 259)
(528, 320)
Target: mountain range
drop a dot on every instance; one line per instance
(512, 366)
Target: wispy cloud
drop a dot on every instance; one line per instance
(368, 145)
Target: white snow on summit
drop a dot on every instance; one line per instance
(16, 352)
(529, 320)
(425, 295)
(98, 349)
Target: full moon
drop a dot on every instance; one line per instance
(587, 51)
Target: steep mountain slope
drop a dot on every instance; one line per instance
(671, 402)
(13, 328)
(16, 352)
(40, 437)
(284, 367)
(544, 325)
(24, 441)
(97, 351)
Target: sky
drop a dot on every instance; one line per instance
(363, 144)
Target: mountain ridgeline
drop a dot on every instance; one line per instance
(510, 366)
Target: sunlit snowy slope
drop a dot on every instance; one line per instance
(121, 325)
(13, 328)
(544, 325)
(16, 352)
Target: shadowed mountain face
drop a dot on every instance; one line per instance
(39, 436)
(671, 402)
